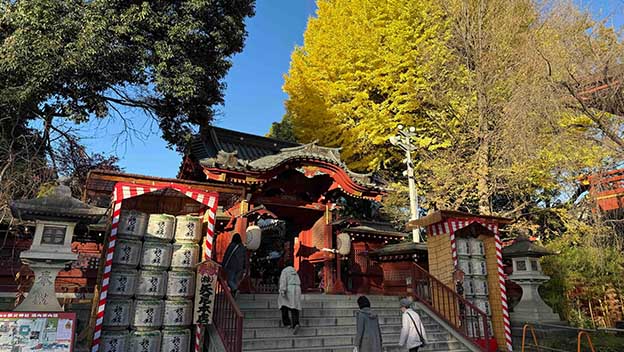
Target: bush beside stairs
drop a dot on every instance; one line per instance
(328, 325)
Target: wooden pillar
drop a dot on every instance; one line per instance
(241, 223)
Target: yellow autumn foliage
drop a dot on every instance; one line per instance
(480, 80)
(367, 66)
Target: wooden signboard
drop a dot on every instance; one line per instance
(37, 331)
(205, 289)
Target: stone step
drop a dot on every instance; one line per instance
(332, 321)
(331, 331)
(302, 342)
(306, 304)
(386, 348)
(328, 324)
(337, 312)
(318, 297)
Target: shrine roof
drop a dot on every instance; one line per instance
(523, 247)
(442, 215)
(247, 146)
(306, 152)
(400, 248)
(375, 228)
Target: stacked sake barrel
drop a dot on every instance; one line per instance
(150, 305)
(471, 260)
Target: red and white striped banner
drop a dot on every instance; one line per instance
(449, 227)
(503, 290)
(128, 190)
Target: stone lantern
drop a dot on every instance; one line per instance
(527, 273)
(55, 217)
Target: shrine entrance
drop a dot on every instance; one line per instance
(283, 227)
(301, 185)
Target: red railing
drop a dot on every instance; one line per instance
(227, 318)
(466, 318)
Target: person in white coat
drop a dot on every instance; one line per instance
(289, 299)
(413, 335)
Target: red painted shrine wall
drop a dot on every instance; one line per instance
(365, 275)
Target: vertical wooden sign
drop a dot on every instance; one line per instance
(205, 289)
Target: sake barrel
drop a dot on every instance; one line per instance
(127, 252)
(132, 224)
(464, 264)
(483, 304)
(480, 286)
(156, 255)
(145, 341)
(148, 314)
(463, 246)
(176, 340)
(185, 255)
(476, 247)
(115, 341)
(477, 265)
(188, 228)
(178, 312)
(475, 327)
(152, 284)
(117, 313)
(469, 288)
(123, 282)
(160, 227)
(180, 284)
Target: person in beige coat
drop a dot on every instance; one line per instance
(289, 299)
(413, 335)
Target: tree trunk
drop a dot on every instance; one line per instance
(483, 151)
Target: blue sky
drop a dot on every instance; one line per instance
(254, 97)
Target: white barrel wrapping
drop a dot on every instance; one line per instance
(123, 282)
(476, 327)
(156, 255)
(132, 224)
(160, 227)
(176, 340)
(180, 284)
(483, 304)
(476, 247)
(127, 252)
(464, 264)
(148, 314)
(145, 341)
(115, 341)
(185, 256)
(480, 286)
(178, 313)
(463, 246)
(477, 265)
(469, 288)
(152, 284)
(118, 313)
(188, 228)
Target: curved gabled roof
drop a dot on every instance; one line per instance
(310, 152)
(236, 157)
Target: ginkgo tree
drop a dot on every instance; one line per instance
(482, 81)
(367, 66)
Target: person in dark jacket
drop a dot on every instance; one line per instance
(234, 262)
(368, 333)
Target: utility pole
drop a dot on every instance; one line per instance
(403, 140)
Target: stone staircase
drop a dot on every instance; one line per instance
(328, 325)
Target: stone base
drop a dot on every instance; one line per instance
(535, 314)
(42, 295)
